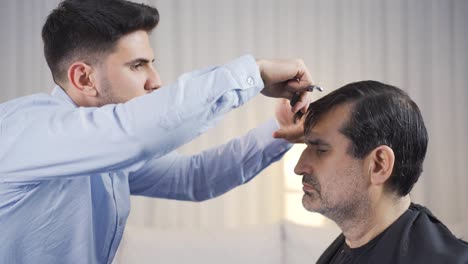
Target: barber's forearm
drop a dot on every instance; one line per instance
(212, 172)
(239, 160)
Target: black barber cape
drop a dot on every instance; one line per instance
(415, 237)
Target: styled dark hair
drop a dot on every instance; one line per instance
(381, 115)
(88, 29)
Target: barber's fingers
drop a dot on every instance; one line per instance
(301, 102)
(302, 79)
(284, 77)
(292, 134)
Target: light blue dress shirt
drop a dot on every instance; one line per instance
(67, 172)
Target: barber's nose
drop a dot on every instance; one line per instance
(154, 81)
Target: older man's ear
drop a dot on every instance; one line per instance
(380, 161)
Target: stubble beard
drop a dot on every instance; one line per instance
(354, 207)
(106, 94)
(350, 210)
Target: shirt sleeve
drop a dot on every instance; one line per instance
(211, 172)
(43, 137)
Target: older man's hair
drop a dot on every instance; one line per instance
(381, 115)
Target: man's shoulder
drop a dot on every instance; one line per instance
(419, 235)
(427, 233)
(425, 221)
(28, 102)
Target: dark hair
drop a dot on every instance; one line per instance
(89, 29)
(381, 115)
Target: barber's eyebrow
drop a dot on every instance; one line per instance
(139, 60)
(318, 142)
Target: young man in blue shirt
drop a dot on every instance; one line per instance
(69, 161)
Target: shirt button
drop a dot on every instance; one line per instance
(250, 80)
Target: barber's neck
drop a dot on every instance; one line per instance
(369, 223)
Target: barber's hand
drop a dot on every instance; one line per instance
(285, 77)
(290, 130)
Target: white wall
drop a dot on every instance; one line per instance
(418, 45)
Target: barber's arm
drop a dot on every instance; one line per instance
(217, 170)
(211, 172)
(46, 138)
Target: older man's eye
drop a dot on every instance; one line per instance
(321, 151)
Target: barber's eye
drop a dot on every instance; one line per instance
(136, 66)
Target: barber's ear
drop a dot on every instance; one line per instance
(380, 164)
(81, 76)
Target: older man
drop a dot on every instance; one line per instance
(366, 144)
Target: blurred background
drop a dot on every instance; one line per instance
(420, 46)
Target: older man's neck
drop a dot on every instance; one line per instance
(370, 224)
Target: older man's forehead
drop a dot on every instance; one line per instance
(317, 141)
(333, 120)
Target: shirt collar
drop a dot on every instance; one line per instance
(59, 93)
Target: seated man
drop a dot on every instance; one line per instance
(366, 144)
